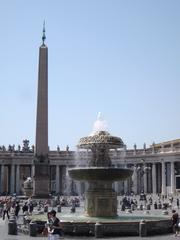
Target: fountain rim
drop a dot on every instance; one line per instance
(99, 168)
(105, 174)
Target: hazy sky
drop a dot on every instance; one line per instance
(119, 57)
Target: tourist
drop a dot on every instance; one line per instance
(25, 208)
(1, 208)
(31, 208)
(56, 227)
(177, 202)
(150, 200)
(73, 207)
(47, 230)
(159, 205)
(17, 209)
(155, 205)
(6, 209)
(175, 222)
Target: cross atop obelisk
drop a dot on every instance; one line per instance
(41, 147)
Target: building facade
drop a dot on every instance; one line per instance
(156, 168)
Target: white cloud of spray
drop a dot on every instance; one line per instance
(99, 125)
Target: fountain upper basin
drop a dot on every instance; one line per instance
(108, 174)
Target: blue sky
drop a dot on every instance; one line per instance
(119, 57)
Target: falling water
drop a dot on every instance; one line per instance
(67, 184)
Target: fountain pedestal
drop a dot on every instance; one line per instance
(100, 200)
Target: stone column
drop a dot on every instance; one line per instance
(32, 171)
(125, 186)
(116, 187)
(12, 179)
(2, 178)
(172, 178)
(57, 179)
(145, 179)
(64, 183)
(154, 184)
(60, 180)
(163, 186)
(158, 176)
(150, 179)
(135, 181)
(18, 188)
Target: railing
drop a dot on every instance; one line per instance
(81, 155)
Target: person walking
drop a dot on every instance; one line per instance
(25, 208)
(175, 222)
(6, 210)
(177, 202)
(31, 208)
(17, 209)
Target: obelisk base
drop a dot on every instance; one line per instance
(41, 187)
(41, 179)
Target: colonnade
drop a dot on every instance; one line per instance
(11, 179)
(152, 178)
(147, 177)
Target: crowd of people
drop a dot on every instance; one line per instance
(53, 227)
(144, 202)
(8, 204)
(12, 204)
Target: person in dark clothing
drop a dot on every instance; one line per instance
(31, 207)
(177, 202)
(25, 207)
(47, 230)
(6, 210)
(175, 221)
(17, 209)
(56, 227)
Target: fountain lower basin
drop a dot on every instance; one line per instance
(118, 227)
(100, 197)
(77, 224)
(108, 174)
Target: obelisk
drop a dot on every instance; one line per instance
(41, 179)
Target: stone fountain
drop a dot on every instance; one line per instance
(100, 198)
(100, 217)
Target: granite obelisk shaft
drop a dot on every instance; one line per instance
(41, 147)
(41, 179)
